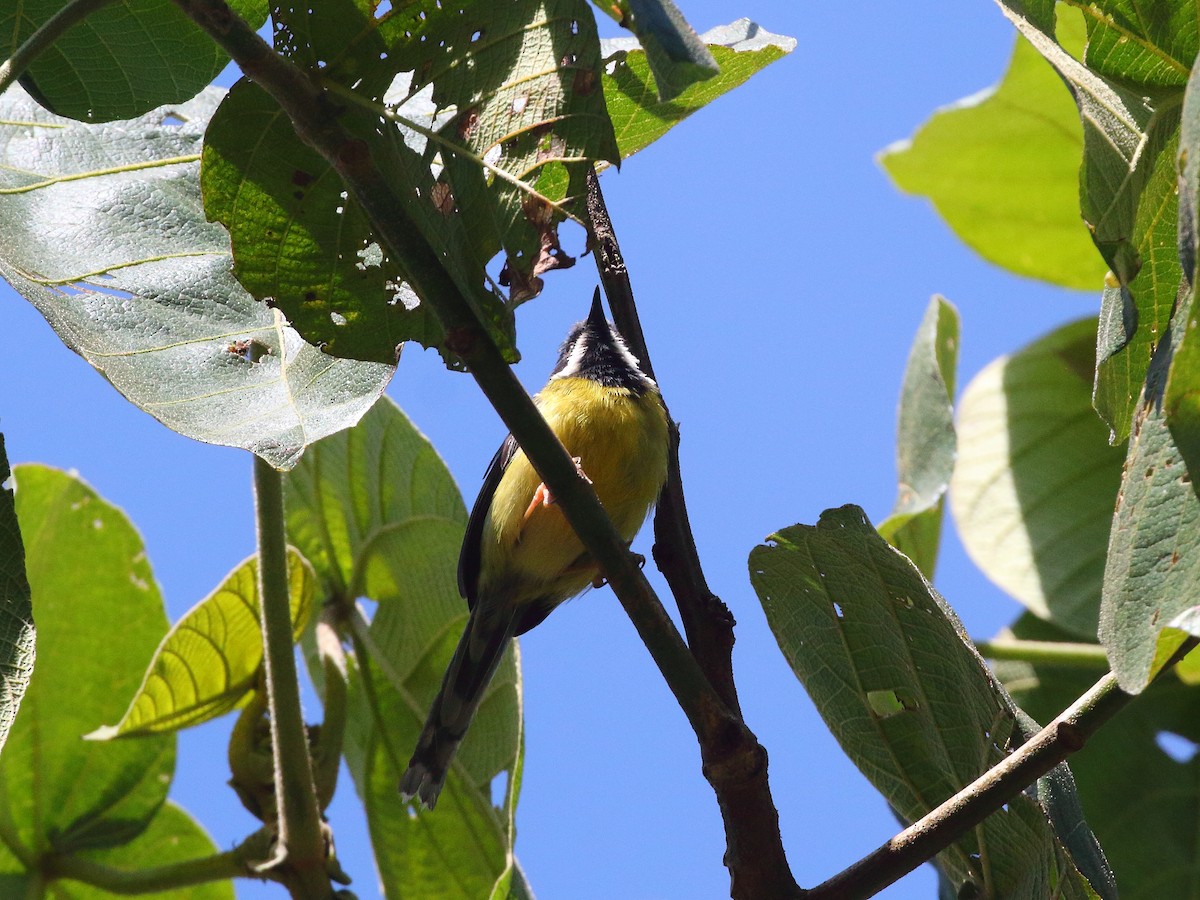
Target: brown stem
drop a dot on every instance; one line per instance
(736, 766)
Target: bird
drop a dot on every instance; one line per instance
(520, 558)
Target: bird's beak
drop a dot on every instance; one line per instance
(596, 317)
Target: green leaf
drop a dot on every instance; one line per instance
(1002, 168)
(677, 56)
(433, 90)
(1036, 480)
(1143, 46)
(925, 443)
(210, 660)
(640, 118)
(1127, 186)
(99, 616)
(1149, 826)
(16, 611)
(891, 671)
(1152, 578)
(376, 512)
(136, 282)
(122, 60)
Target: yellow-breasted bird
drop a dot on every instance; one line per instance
(520, 558)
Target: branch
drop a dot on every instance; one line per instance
(238, 862)
(737, 770)
(316, 122)
(941, 827)
(49, 32)
(300, 853)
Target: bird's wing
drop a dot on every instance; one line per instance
(469, 556)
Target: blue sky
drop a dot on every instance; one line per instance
(780, 279)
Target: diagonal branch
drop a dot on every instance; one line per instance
(49, 32)
(315, 119)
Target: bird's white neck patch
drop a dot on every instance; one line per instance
(575, 360)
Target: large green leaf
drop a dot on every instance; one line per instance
(891, 671)
(515, 85)
(209, 662)
(676, 55)
(122, 60)
(1036, 480)
(1130, 114)
(925, 442)
(1002, 169)
(1152, 576)
(99, 617)
(377, 513)
(101, 229)
(640, 117)
(1149, 826)
(16, 611)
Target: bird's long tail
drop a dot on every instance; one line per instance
(470, 671)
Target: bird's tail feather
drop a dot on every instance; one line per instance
(475, 659)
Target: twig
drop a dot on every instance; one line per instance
(755, 856)
(300, 854)
(941, 827)
(315, 120)
(49, 32)
(234, 863)
(1052, 653)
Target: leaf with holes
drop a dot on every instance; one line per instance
(97, 623)
(925, 444)
(466, 107)
(640, 117)
(1129, 90)
(379, 516)
(1152, 576)
(891, 671)
(210, 660)
(123, 60)
(16, 609)
(1036, 481)
(102, 230)
(1002, 169)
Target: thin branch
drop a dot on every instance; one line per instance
(300, 854)
(737, 770)
(49, 32)
(316, 121)
(235, 863)
(1053, 653)
(941, 827)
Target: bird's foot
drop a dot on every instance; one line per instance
(543, 497)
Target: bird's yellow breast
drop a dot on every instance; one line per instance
(620, 439)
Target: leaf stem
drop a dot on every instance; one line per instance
(238, 862)
(942, 826)
(300, 853)
(49, 32)
(1055, 653)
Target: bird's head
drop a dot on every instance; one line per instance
(595, 350)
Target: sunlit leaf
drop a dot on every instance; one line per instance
(377, 513)
(678, 57)
(97, 624)
(211, 658)
(1002, 168)
(925, 444)
(1036, 481)
(101, 229)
